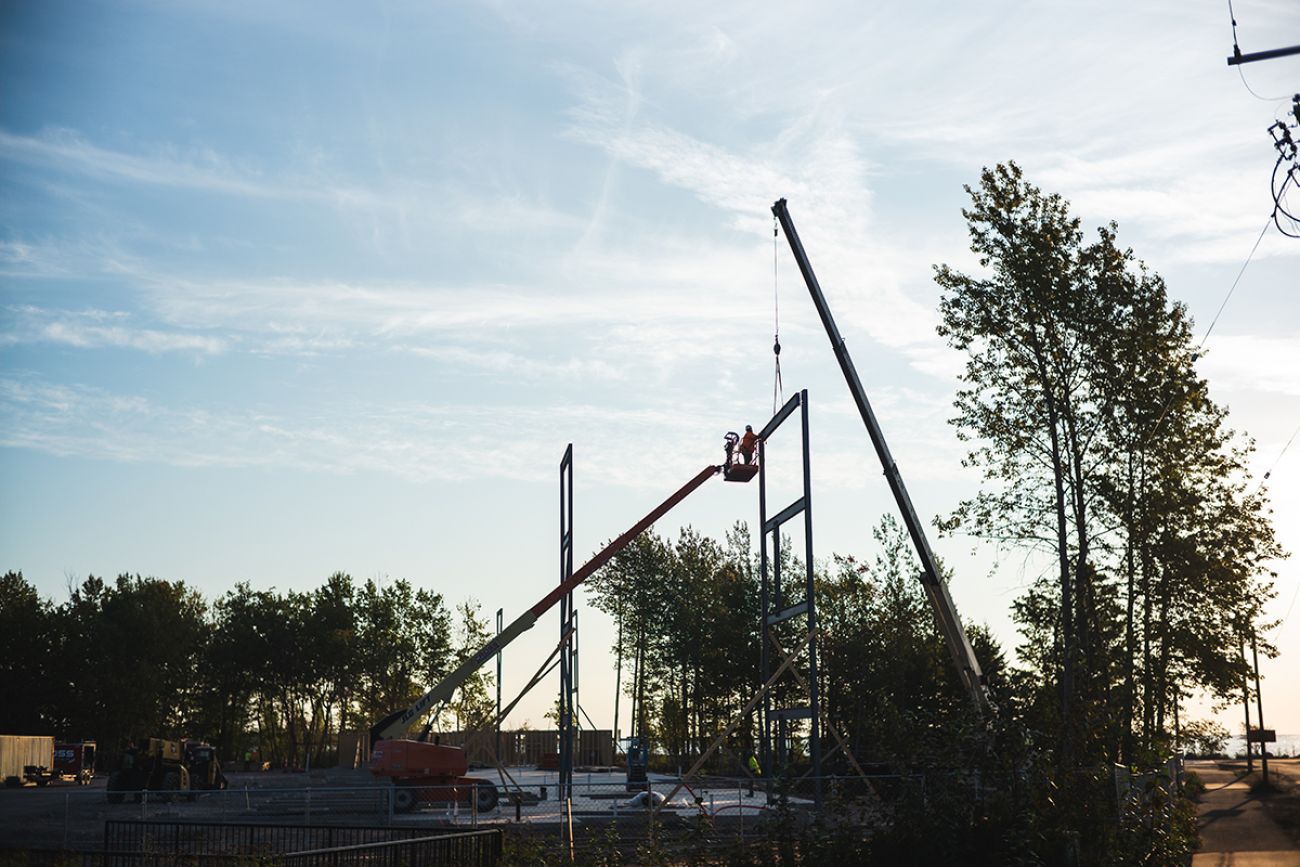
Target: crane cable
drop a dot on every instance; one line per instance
(778, 389)
(1201, 346)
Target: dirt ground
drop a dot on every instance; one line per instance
(73, 817)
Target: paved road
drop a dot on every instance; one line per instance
(1236, 830)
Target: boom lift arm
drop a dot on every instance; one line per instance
(395, 724)
(963, 656)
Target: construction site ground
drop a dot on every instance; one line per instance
(73, 817)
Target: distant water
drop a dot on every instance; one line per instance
(1287, 745)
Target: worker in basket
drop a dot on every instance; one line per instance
(742, 461)
(748, 445)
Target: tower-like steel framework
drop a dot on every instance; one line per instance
(781, 603)
(568, 621)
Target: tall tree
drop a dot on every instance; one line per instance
(28, 634)
(1027, 399)
(474, 702)
(1099, 445)
(131, 658)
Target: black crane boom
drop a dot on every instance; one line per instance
(963, 656)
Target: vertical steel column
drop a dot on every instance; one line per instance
(813, 699)
(564, 787)
(497, 726)
(776, 745)
(765, 662)
(576, 704)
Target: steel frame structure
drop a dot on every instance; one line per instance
(774, 746)
(568, 623)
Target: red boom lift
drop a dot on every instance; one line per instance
(423, 771)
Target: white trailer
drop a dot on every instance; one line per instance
(21, 751)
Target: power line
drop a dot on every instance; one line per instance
(1233, 287)
(1282, 622)
(1277, 460)
(1197, 354)
(1291, 178)
(1288, 155)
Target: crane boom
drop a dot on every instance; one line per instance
(963, 656)
(396, 723)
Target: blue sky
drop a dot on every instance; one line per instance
(294, 288)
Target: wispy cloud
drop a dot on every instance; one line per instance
(410, 440)
(198, 169)
(395, 209)
(523, 368)
(829, 190)
(95, 329)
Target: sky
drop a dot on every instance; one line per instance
(295, 288)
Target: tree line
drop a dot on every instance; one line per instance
(279, 673)
(688, 615)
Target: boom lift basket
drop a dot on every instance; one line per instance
(740, 472)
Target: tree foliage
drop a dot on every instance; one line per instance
(1100, 447)
(279, 673)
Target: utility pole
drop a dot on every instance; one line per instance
(1259, 706)
(1245, 703)
(618, 681)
